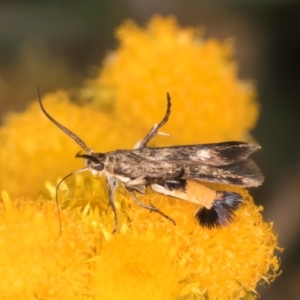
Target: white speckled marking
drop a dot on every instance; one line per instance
(203, 154)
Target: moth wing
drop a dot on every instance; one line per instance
(243, 173)
(217, 154)
(131, 164)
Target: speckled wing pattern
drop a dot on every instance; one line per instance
(225, 163)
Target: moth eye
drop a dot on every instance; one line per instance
(98, 167)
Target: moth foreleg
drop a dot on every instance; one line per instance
(112, 185)
(154, 130)
(149, 207)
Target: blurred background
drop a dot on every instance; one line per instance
(60, 44)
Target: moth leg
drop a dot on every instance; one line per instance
(112, 185)
(137, 181)
(154, 130)
(149, 207)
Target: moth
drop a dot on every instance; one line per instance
(177, 171)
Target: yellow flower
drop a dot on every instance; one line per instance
(148, 257)
(37, 263)
(210, 104)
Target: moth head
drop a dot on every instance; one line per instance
(93, 161)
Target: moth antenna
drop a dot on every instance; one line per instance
(56, 194)
(72, 135)
(154, 130)
(222, 211)
(168, 112)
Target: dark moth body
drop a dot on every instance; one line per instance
(177, 171)
(225, 163)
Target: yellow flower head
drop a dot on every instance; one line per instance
(210, 104)
(37, 263)
(148, 257)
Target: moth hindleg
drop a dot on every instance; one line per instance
(149, 207)
(154, 130)
(112, 185)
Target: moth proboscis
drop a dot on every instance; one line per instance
(177, 171)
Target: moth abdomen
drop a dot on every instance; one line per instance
(222, 210)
